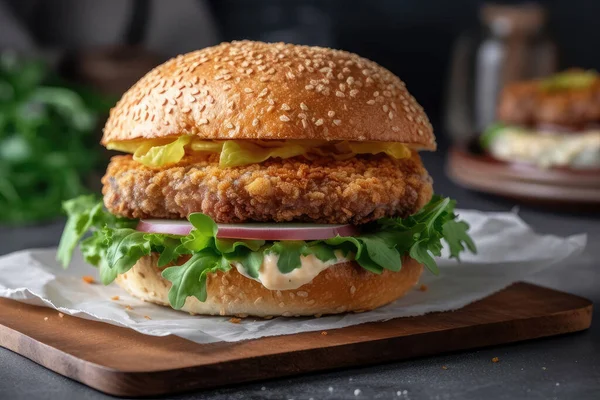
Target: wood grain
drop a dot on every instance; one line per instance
(122, 362)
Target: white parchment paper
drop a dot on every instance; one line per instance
(508, 251)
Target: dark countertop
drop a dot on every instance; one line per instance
(566, 367)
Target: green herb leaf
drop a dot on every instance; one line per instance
(289, 253)
(81, 212)
(114, 246)
(189, 279)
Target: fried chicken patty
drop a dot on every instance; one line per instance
(526, 103)
(358, 190)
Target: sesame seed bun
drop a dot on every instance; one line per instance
(254, 90)
(341, 288)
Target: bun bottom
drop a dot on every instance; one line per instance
(340, 288)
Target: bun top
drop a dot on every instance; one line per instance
(255, 90)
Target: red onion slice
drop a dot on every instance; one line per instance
(254, 231)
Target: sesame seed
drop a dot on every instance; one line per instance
(309, 87)
(304, 124)
(270, 108)
(263, 92)
(164, 102)
(229, 125)
(227, 87)
(331, 114)
(285, 107)
(342, 87)
(395, 128)
(203, 121)
(173, 101)
(304, 106)
(337, 121)
(248, 90)
(391, 115)
(290, 75)
(353, 92)
(339, 94)
(409, 117)
(254, 122)
(385, 108)
(393, 105)
(319, 122)
(375, 94)
(284, 118)
(301, 115)
(340, 76)
(371, 102)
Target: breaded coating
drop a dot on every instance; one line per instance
(527, 103)
(356, 191)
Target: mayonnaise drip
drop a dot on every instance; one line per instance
(273, 279)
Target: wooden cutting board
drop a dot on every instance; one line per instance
(122, 362)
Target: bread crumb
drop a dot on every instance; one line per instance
(147, 317)
(444, 367)
(88, 279)
(45, 318)
(544, 368)
(495, 359)
(128, 308)
(235, 320)
(115, 298)
(423, 288)
(61, 315)
(192, 314)
(324, 333)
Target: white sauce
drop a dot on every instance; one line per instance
(579, 150)
(273, 279)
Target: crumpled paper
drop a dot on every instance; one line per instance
(508, 251)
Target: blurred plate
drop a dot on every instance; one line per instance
(469, 167)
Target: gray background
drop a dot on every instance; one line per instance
(566, 367)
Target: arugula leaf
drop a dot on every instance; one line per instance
(381, 254)
(189, 279)
(455, 234)
(114, 246)
(289, 253)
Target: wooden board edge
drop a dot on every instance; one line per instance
(140, 384)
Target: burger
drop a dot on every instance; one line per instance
(551, 122)
(265, 180)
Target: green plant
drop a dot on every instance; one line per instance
(47, 146)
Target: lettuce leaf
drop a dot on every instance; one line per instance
(236, 153)
(114, 246)
(157, 156)
(233, 153)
